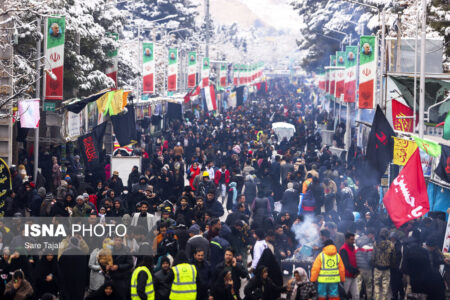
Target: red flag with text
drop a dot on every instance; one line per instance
(407, 196)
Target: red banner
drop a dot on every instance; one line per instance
(400, 110)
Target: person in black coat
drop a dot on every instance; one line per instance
(223, 287)
(133, 177)
(261, 286)
(46, 276)
(72, 271)
(237, 269)
(120, 271)
(204, 272)
(423, 278)
(290, 199)
(162, 283)
(106, 292)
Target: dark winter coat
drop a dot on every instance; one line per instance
(162, 285)
(215, 207)
(290, 200)
(43, 269)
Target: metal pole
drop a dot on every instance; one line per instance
(383, 55)
(207, 28)
(139, 52)
(37, 95)
(415, 71)
(422, 69)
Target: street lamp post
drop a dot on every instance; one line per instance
(422, 69)
(37, 95)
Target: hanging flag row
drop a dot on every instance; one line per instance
(339, 77)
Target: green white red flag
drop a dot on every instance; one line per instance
(340, 73)
(367, 72)
(350, 73)
(54, 37)
(148, 68)
(111, 69)
(321, 81)
(205, 72)
(327, 81)
(192, 70)
(332, 74)
(172, 70)
(223, 75)
(235, 74)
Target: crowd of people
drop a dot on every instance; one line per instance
(216, 210)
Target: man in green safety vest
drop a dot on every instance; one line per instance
(142, 281)
(184, 283)
(328, 270)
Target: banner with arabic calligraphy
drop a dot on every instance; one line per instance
(192, 70)
(403, 149)
(54, 34)
(367, 72)
(5, 185)
(400, 110)
(90, 151)
(332, 74)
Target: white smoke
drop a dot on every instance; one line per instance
(307, 235)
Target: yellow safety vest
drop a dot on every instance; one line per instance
(149, 290)
(184, 286)
(329, 273)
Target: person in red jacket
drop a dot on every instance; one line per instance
(193, 171)
(222, 179)
(348, 255)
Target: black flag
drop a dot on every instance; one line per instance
(443, 169)
(125, 127)
(90, 151)
(380, 147)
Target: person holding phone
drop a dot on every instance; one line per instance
(18, 287)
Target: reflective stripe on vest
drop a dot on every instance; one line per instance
(184, 284)
(149, 290)
(329, 271)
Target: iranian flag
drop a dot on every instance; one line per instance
(322, 81)
(241, 74)
(340, 73)
(223, 75)
(327, 81)
(172, 70)
(367, 72)
(205, 72)
(350, 73)
(192, 70)
(209, 95)
(332, 74)
(111, 69)
(54, 54)
(148, 68)
(235, 74)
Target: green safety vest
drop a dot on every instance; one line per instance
(184, 286)
(329, 272)
(149, 290)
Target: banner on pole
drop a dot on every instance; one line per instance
(148, 68)
(111, 70)
(235, 74)
(192, 70)
(340, 74)
(29, 113)
(54, 37)
(403, 150)
(172, 71)
(367, 72)
(223, 75)
(350, 73)
(205, 72)
(332, 74)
